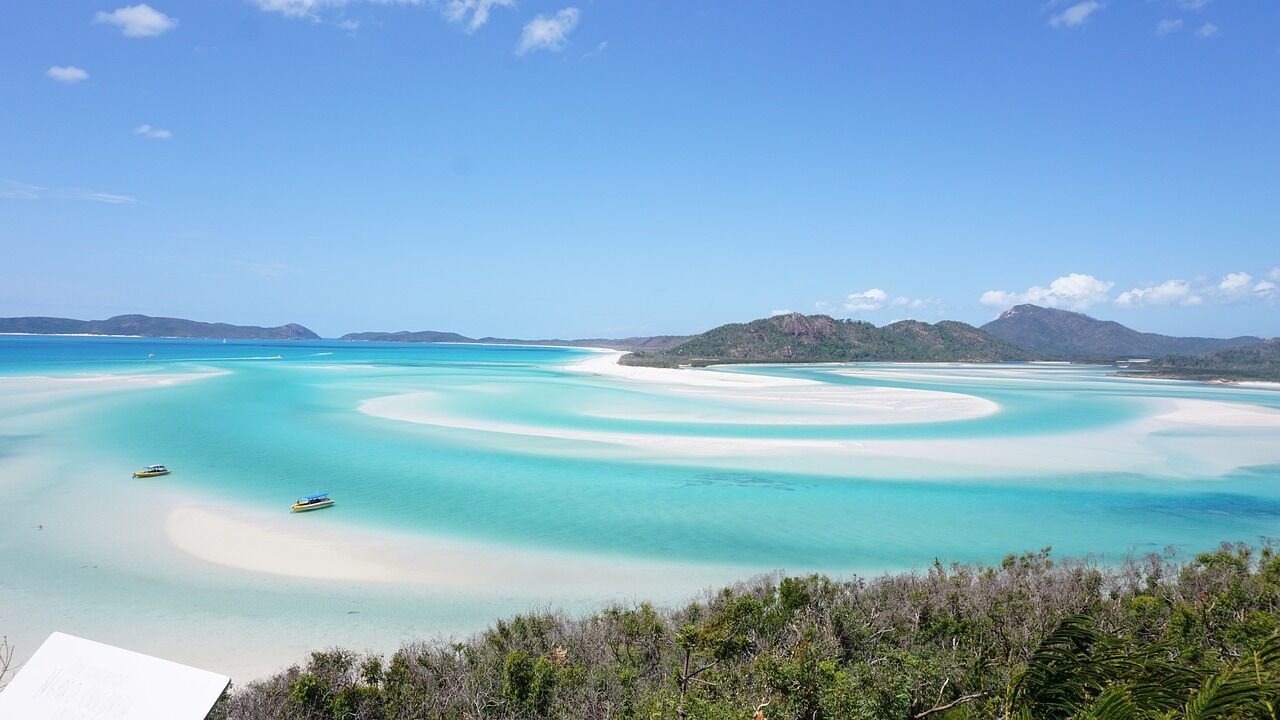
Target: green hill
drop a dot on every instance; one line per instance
(820, 338)
(1259, 361)
(147, 326)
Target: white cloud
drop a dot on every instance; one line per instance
(1233, 287)
(1166, 26)
(548, 33)
(1235, 283)
(1076, 291)
(598, 49)
(458, 10)
(1208, 30)
(1274, 274)
(15, 190)
(1076, 15)
(347, 24)
(865, 301)
(1170, 292)
(154, 133)
(137, 20)
(1192, 4)
(69, 74)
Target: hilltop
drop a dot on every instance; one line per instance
(147, 326)
(1064, 335)
(820, 338)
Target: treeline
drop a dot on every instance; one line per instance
(1260, 361)
(1030, 638)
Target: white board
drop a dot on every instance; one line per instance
(70, 678)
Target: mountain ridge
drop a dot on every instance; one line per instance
(1066, 335)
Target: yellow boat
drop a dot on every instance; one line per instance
(152, 471)
(312, 502)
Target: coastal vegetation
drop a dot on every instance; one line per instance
(1031, 637)
(147, 326)
(1260, 361)
(819, 338)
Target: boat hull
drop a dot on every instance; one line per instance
(312, 506)
(151, 474)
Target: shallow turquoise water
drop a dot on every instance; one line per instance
(283, 421)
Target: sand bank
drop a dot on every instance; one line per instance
(318, 547)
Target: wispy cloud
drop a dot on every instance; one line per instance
(776, 313)
(1076, 291)
(1167, 26)
(15, 190)
(69, 74)
(137, 20)
(548, 32)
(1208, 30)
(268, 268)
(596, 50)
(872, 300)
(152, 132)
(1193, 4)
(1076, 15)
(475, 13)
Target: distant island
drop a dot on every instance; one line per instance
(654, 342)
(801, 338)
(1065, 335)
(158, 327)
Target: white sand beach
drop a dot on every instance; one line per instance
(323, 549)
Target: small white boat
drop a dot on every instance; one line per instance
(312, 502)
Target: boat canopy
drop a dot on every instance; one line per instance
(317, 496)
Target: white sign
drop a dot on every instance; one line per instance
(70, 678)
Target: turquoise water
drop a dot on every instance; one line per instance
(641, 474)
(282, 421)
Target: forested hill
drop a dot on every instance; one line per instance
(1063, 335)
(819, 338)
(147, 326)
(1259, 361)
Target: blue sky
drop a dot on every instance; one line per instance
(581, 167)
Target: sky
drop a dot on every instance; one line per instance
(580, 168)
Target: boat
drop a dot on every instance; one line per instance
(152, 471)
(312, 502)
